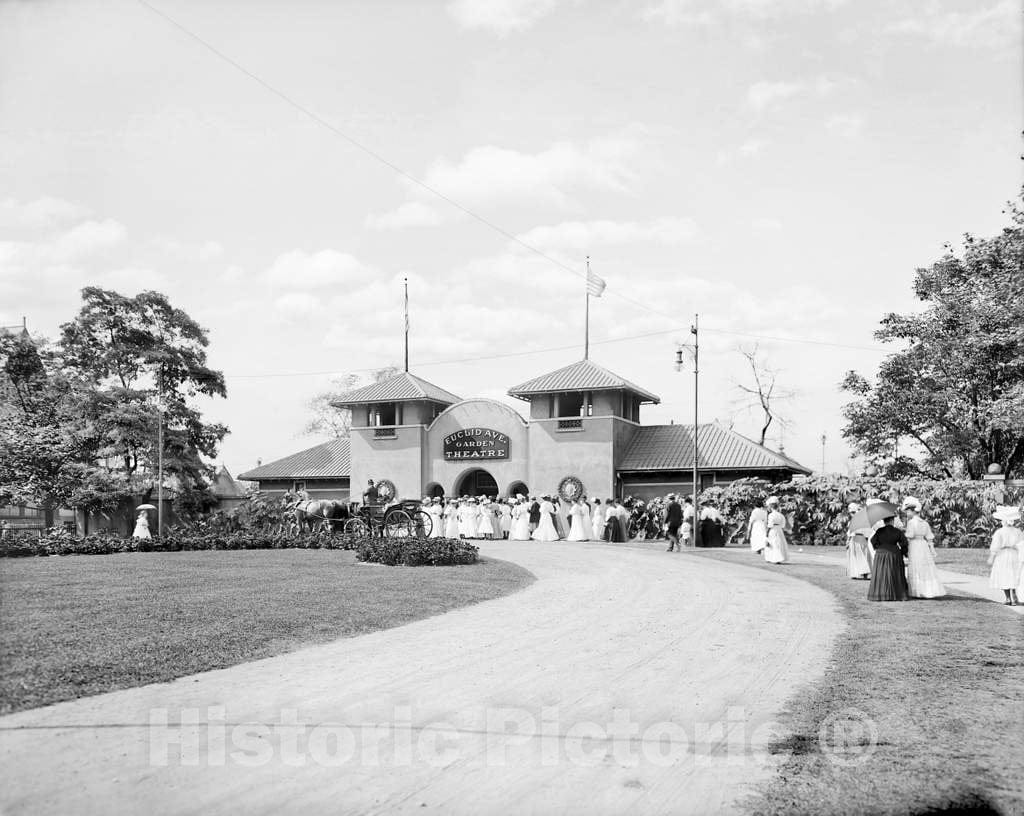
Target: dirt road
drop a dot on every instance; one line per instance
(624, 678)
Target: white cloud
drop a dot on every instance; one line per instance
(298, 270)
(846, 123)
(502, 17)
(296, 306)
(762, 94)
(43, 212)
(765, 226)
(992, 26)
(704, 12)
(747, 149)
(581, 235)
(769, 94)
(489, 173)
(409, 214)
(87, 238)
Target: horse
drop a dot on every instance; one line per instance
(323, 513)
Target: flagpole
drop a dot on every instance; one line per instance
(586, 320)
(407, 325)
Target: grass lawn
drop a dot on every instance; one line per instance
(81, 625)
(942, 680)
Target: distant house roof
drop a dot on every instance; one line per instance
(327, 461)
(584, 375)
(225, 487)
(403, 387)
(670, 447)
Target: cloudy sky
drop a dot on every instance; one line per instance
(779, 166)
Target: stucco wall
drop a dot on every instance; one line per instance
(477, 413)
(396, 459)
(585, 454)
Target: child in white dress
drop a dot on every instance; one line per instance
(1005, 555)
(922, 574)
(485, 520)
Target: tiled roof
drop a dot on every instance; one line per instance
(403, 387)
(670, 447)
(585, 375)
(327, 461)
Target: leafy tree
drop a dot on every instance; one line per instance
(140, 354)
(957, 388)
(79, 421)
(336, 422)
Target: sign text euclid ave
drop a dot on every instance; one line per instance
(476, 443)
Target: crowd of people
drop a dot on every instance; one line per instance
(552, 518)
(897, 556)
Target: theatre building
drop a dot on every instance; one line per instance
(583, 434)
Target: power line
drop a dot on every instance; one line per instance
(481, 219)
(485, 357)
(378, 157)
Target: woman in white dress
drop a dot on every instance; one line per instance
(433, 509)
(451, 519)
(597, 521)
(141, 526)
(468, 518)
(546, 528)
(858, 549)
(922, 575)
(757, 528)
(576, 524)
(777, 549)
(520, 521)
(586, 520)
(1005, 555)
(485, 519)
(505, 519)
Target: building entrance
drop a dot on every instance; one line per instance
(477, 483)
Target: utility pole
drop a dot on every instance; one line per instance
(823, 438)
(407, 325)
(160, 456)
(695, 352)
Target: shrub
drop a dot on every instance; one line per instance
(416, 552)
(960, 512)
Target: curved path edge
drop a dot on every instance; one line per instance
(623, 678)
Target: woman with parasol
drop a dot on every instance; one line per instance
(888, 578)
(142, 521)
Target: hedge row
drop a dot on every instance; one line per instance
(416, 552)
(959, 512)
(408, 552)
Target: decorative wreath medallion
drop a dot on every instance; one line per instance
(570, 488)
(386, 490)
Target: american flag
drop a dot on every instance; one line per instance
(595, 284)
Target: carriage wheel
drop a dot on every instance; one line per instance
(423, 523)
(399, 524)
(356, 527)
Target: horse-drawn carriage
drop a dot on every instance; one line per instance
(401, 519)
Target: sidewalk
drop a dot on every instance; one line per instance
(953, 581)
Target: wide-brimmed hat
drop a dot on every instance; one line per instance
(772, 500)
(1007, 512)
(911, 503)
(853, 507)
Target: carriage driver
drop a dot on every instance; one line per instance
(370, 495)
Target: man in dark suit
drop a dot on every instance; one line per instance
(534, 513)
(673, 520)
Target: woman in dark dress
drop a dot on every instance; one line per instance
(613, 528)
(888, 577)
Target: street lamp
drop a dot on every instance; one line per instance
(694, 352)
